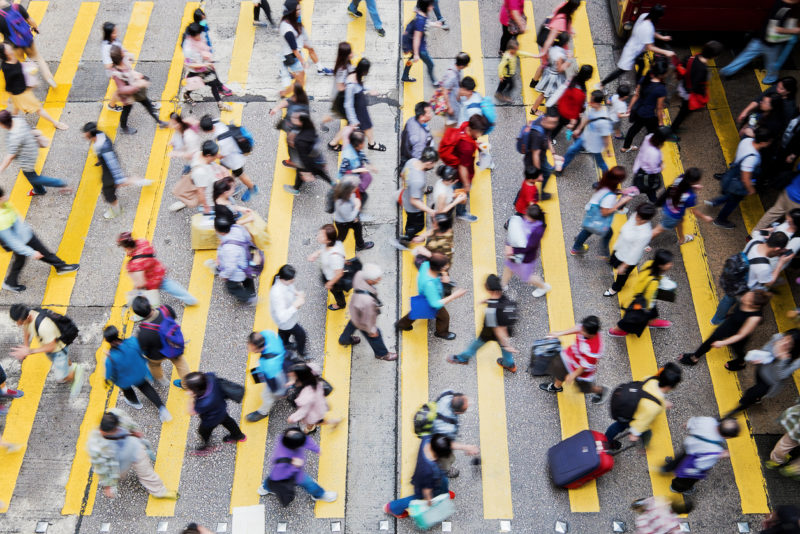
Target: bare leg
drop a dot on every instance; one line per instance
(506, 278)
(246, 180)
(45, 115)
(537, 281)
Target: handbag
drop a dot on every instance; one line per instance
(257, 227)
(439, 101)
(421, 309)
(636, 314)
(731, 181)
(338, 105)
(31, 73)
(594, 221)
(544, 31)
(542, 353)
(426, 516)
(513, 27)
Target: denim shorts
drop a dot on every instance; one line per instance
(288, 71)
(60, 361)
(668, 221)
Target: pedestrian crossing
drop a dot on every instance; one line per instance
(336, 458)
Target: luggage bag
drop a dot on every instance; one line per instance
(582, 458)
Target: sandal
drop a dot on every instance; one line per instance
(609, 293)
(377, 146)
(336, 148)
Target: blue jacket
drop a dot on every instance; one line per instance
(14, 231)
(211, 405)
(125, 366)
(271, 362)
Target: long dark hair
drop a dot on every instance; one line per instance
(612, 178)
(580, 79)
(794, 353)
(776, 108)
(690, 177)
(294, 22)
(536, 213)
(662, 257)
(304, 376)
(221, 186)
(287, 272)
(343, 56)
(108, 29)
(362, 69)
(299, 95)
(568, 9)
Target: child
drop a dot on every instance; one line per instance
(113, 176)
(555, 74)
(619, 108)
(593, 134)
(528, 193)
(507, 69)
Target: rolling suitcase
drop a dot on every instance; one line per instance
(579, 459)
(542, 353)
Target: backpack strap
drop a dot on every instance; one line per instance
(721, 444)
(140, 256)
(757, 259)
(649, 396)
(284, 460)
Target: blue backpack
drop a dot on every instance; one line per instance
(172, 342)
(19, 32)
(524, 137)
(244, 139)
(487, 110)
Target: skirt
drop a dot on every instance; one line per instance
(26, 102)
(524, 271)
(551, 80)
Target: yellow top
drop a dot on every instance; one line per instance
(647, 284)
(47, 333)
(508, 63)
(647, 410)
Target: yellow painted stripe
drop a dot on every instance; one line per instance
(414, 357)
(751, 207)
(143, 225)
(744, 455)
(172, 445)
(640, 349)
(332, 473)
(491, 391)
(571, 403)
(34, 370)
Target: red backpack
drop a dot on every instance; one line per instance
(449, 144)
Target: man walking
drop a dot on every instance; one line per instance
(500, 316)
(449, 407)
(118, 447)
(413, 193)
(150, 342)
(780, 457)
(416, 135)
(364, 310)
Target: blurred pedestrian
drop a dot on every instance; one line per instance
(156, 349)
(310, 400)
(284, 303)
(208, 402)
(630, 246)
(6, 392)
(365, 306)
(332, 262)
(522, 249)
(780, 457)
(429, 480)
(272, 363)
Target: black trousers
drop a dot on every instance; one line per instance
(650, 123)
(299, 338)
(616, 73)
(561, 123)
(215, 85)
(682, 114)
(376, 343)
(343, 228)
(126, 111)
(504, 39)
(622, 277)
(229, 424)
(752, 395)
(147, 390)
(505, 85)
(265, 6)
(242, 291)
(722, 333)
(18, 260)
(415, 223)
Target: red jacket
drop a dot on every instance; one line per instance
(143, 259)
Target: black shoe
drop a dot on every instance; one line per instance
(408, 80)
(428, 190)
(381, 32)
(450, 336)
(130, 130)
(614, 445)
(718, 175)
(354, 340)
(68, 268)
(254, 417)
(727, 225)
(366, 246)
(545, 196)
(16, 288)
(398, 327)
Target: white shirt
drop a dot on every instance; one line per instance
(331, 260)
(744, 150)
(759, 273)
(440, 189)
(281, 299)
(643, 34)
(793, 246)
(467, 111)
(105, 51)
(232, 157)
(618, 107)
(301, 39)
(607, 202)
(633, 238)
(188, 142)
(204, 175)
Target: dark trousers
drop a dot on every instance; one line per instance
(505, 86)
(377, 344)
(616, 428)
(561, 123)
(442, 322)
(241, 291)
(229, 424)
(299, 338)
(215, 85)
(147, 390)
(731, 202)
(722, 333)
(681, 484)
(650, 123)
(426, 58)
(343, 228)
(415, 223)
(18, 260)
(126, 111)
(504, 39)
(616, 73)
(682, 114)
(622, 277)
(265, 6)
(337, 292)
(752, 395)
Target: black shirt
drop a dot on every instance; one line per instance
(150, 340)
(4, 24)
(780, 12)
(494, 317)
(15, 79)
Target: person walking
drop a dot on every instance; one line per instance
(788, 200)
(51, 338)
(310, 400)
(332, 262)
(147, 272)
(154, 349)
(629, 247)
(513, 21)
(365, 306)
(209, 404)
(555, 75)
(780, 457)
(112, 176)
(702, 449)
(17, 236)
(507, 70)
(197, 187)
(679, 197)
(23, 146)
(560, 21)
(578, 362)
(118, 447)
(355, 104)
(186, 141)
(650, 404)
(271, 370)
(498, 319)
(523, 242)
(287, 461)
(572, 101)
(651, 278)
(295, 39)
(346, 214)
(416, 136)
(647, 105)
(734, 331)
(24, 40)
(235, 262)
(126, 369)
(372, 7)
(649, 163)
(413, 40)
(605, 199)
(432, 273)
(284, 303)
(304, 143)
(693, 85)
(457, 149)
(7, 393)
(429, 480)
(449, 85)
(593, 134)
(131, 87)
(20, 87)
(413, 201)
(450, 406)
(199, 62)
(535, 163)
(262, 5)
(231, 156)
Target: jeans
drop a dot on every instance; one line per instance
(398, 506)
(584, 234)
(426, 58)
(376, 343)
(39, 182)
(730, 201)
(307, 483)
(299, 338)
(18, 260)
(372, 7)
(176, 290)
(242, 291)
(436, 11)
(126, 111)
(575, 148)
(756, 47)
(475, 346)
(724, 306)
(229, 424)
(616, 428)
(461, 209)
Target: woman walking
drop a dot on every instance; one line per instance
(647, 284)
(200, 64)
(341, 70)
(331, 261)
(512, 19)
(284, 302)
(647, 105)
(310, 401)
(679, 197)
(648, 164)
(560, 22)
(19, 86)
(522, 249)
(558, 59)
(110, 39)
(355, 104)
(572, 101)
(305, 142)
(605, 200)
(185, 142)
(131, 87)
(295, 39)
(629, 247)
(346, 212)
(208, 402)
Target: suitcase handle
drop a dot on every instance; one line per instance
(630, 445)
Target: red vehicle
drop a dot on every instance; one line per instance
(695, 15)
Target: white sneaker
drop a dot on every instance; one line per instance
(112, 213)
(542, 291)
(211, 264)
(263, 491)
(134, 405)
(77, 380)
(328, 496)
(177, 206)
(164, 415)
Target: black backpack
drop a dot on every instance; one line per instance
(625, 399)
(351, 267)
(507, 311)
(67, 329)
(736, 269)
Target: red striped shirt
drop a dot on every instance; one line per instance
(583, 353)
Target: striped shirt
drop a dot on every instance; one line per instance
(22, 143)
(583, 353)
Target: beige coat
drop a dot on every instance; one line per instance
(364, 308)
